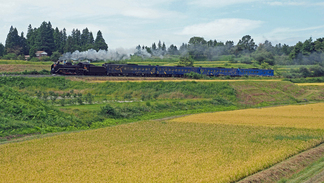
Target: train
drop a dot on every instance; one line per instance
(85, 68)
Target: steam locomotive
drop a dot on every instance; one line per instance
(85, 68)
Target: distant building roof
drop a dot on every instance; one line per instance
(40, 53)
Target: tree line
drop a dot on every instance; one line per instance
(52, 41)
(246, 51)
(56, 42)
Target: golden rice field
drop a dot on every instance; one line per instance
(309, 116)
(196, 148)
(310, 84)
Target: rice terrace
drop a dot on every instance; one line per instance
(197, 148)
(122, 131)
(73, 109)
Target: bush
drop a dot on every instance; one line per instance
(186, 61)
(109, 111)
(246, 60)
(193, 75)
(46, 58)
(34, 59)
(10, 56)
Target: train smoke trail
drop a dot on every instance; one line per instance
(112, 54)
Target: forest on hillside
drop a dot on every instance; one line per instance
(57, 42)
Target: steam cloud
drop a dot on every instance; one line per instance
(111, 54)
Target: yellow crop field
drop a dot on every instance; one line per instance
(187, 149)
(298, 116)
(310, 84)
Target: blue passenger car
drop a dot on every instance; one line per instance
(175, 71)
(130, 70)
(255, 72)
(219, 71)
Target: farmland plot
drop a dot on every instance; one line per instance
(188, 149)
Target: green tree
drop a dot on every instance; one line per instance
(32, 52)
(63, 40)
(246, 44)
(319, 45)
(153, 46)
(197, 40)
(69, 45)
(308, 47)
(55, 56)
(304, 72)
(186, 61)
(173, 50)
(263, 56)
(45, 38)
(317, 71)
(2, 49)
(100, 43)
(31, 37)
(57, 39)
(13, 42)
(296, 50)
(197, 47)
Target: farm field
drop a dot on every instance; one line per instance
(196, 148)
(310, 84)
(22, 67)
(10, 66)
(297, 116)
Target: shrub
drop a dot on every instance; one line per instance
(193, 75)
(109, 111)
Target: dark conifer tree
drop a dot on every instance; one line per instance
(45, 38)
(23, 45)
(153, 46)
(100, 43)
(63, 40)
(57, 39)
(2, 50)
(13, 42)
(163, 47)
(69, 44)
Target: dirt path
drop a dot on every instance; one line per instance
(289, 167)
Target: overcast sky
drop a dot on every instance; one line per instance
(128, 23)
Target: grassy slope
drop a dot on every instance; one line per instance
(313, 173)
(161, 99)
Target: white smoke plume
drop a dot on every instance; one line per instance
(112, 54)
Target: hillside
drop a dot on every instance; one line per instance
(51, 104)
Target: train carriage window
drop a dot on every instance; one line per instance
(176, 70)
(125, 68)
(182, 70)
